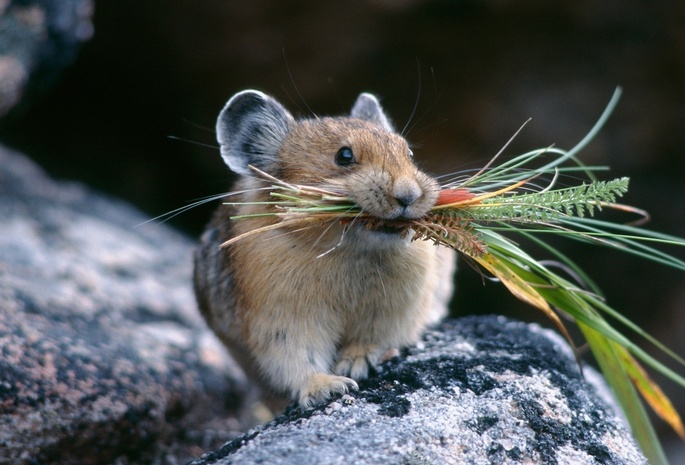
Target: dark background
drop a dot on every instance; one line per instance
(461, 75)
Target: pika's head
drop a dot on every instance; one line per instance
(360, 154)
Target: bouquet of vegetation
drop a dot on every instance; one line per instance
(479, 214)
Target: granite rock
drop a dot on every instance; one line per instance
(479, 390)
(103, 356)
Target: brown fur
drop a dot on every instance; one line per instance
(309, 311)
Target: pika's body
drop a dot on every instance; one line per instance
(309, 311)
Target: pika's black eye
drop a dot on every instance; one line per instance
(344, 157)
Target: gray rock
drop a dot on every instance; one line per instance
(103, 356)
(480, 390)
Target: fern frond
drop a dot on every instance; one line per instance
(549, 206)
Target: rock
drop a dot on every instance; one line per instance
(38, 39)
(103, 355)
(481, 390)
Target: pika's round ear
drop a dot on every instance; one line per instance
(250, 130)
(367, 107)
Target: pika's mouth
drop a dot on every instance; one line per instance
(398, 227)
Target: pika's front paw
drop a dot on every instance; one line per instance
(321, 386)
(356, 360)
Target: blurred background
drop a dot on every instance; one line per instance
(133, 116)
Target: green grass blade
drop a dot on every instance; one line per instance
(626, 394)
(581, 305)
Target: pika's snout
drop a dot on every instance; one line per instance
(406, 192)
(413, 196)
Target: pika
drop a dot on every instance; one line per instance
(308, 312)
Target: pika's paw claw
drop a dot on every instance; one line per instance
(356, 361)
(321, 387)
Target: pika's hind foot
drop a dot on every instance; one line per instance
(321, 387)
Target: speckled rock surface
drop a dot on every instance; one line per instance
(481, 390)
(38, 39)
(103, 356)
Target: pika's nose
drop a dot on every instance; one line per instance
(406, 192)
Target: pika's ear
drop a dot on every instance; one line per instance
(367, 107)
(251, 129)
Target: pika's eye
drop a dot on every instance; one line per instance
(411, 154)
(345, 157)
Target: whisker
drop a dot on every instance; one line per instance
(297, 89)
(342, 237)
(416, 101)
(173, 213)
(189, 141)
(198, 125)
